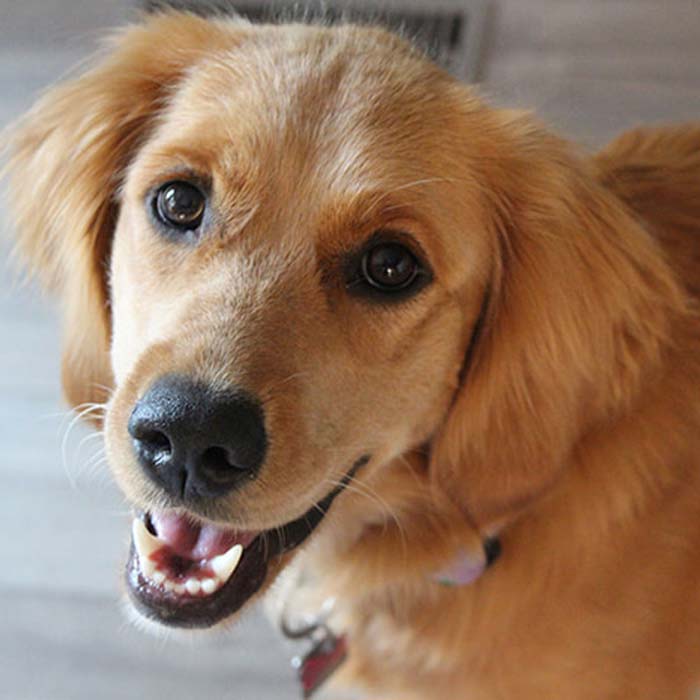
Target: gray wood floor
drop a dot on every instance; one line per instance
(589, 68)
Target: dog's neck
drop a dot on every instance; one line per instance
(592, 520)
(326, 650)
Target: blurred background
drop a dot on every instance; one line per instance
(590, 69)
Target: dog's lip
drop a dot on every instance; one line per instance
(175, 610)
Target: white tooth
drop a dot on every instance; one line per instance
(209, 585)
(179, 588)
(225, 564)
(193, 586)
(158, 577)
(148, 568)
(168, 585)
(144, 541)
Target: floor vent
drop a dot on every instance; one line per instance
(452, 32)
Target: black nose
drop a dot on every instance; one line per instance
(196, 442)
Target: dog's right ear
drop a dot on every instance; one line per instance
(67, 159)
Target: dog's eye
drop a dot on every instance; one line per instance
(386, 269)
(390, 267)
(180, 205)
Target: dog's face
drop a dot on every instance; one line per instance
(286, 305)
(280, 247)
(318, 270)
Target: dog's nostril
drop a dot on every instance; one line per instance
(156, 442)
(218, 465)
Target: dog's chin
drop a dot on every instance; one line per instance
(188, 573)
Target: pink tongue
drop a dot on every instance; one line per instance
(196, 540)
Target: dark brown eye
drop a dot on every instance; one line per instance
(180, 205)
(390, 267)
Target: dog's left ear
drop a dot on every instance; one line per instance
(576, 317)
(68, 156)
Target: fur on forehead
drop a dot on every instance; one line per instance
(304, 85)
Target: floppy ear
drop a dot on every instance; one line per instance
(67, 160)
(577, 317)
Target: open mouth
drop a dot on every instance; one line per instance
(185, 572)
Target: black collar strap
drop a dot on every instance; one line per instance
(492, 550)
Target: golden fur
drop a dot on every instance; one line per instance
(569, 283)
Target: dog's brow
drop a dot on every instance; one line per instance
(347, 218)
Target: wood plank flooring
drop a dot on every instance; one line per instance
(588, 68)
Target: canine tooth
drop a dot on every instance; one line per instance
(168, 585)
(209, 585)
(179, 588)
(158, 577)
(144, 541)
(148, 567)
(225, 564)
(193, 586)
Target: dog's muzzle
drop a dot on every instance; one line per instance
(186, 572)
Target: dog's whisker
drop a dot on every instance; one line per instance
(94, 472)
(354, 283)
(361, 489)
(417, 183)
(108, 391)
(88, 410)
(268, 393)
(266, 544)
(68, 414)
(369, 492)
(65, 414)
(89, 438)
(354, 486)
(318, 508)
(93, 468)
(410, 469)
(279, 530)
(291, 377)
(372, 498)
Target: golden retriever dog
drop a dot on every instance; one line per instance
(350, 322)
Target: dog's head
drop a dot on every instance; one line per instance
(293, 254)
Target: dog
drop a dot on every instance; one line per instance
(341, 320)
